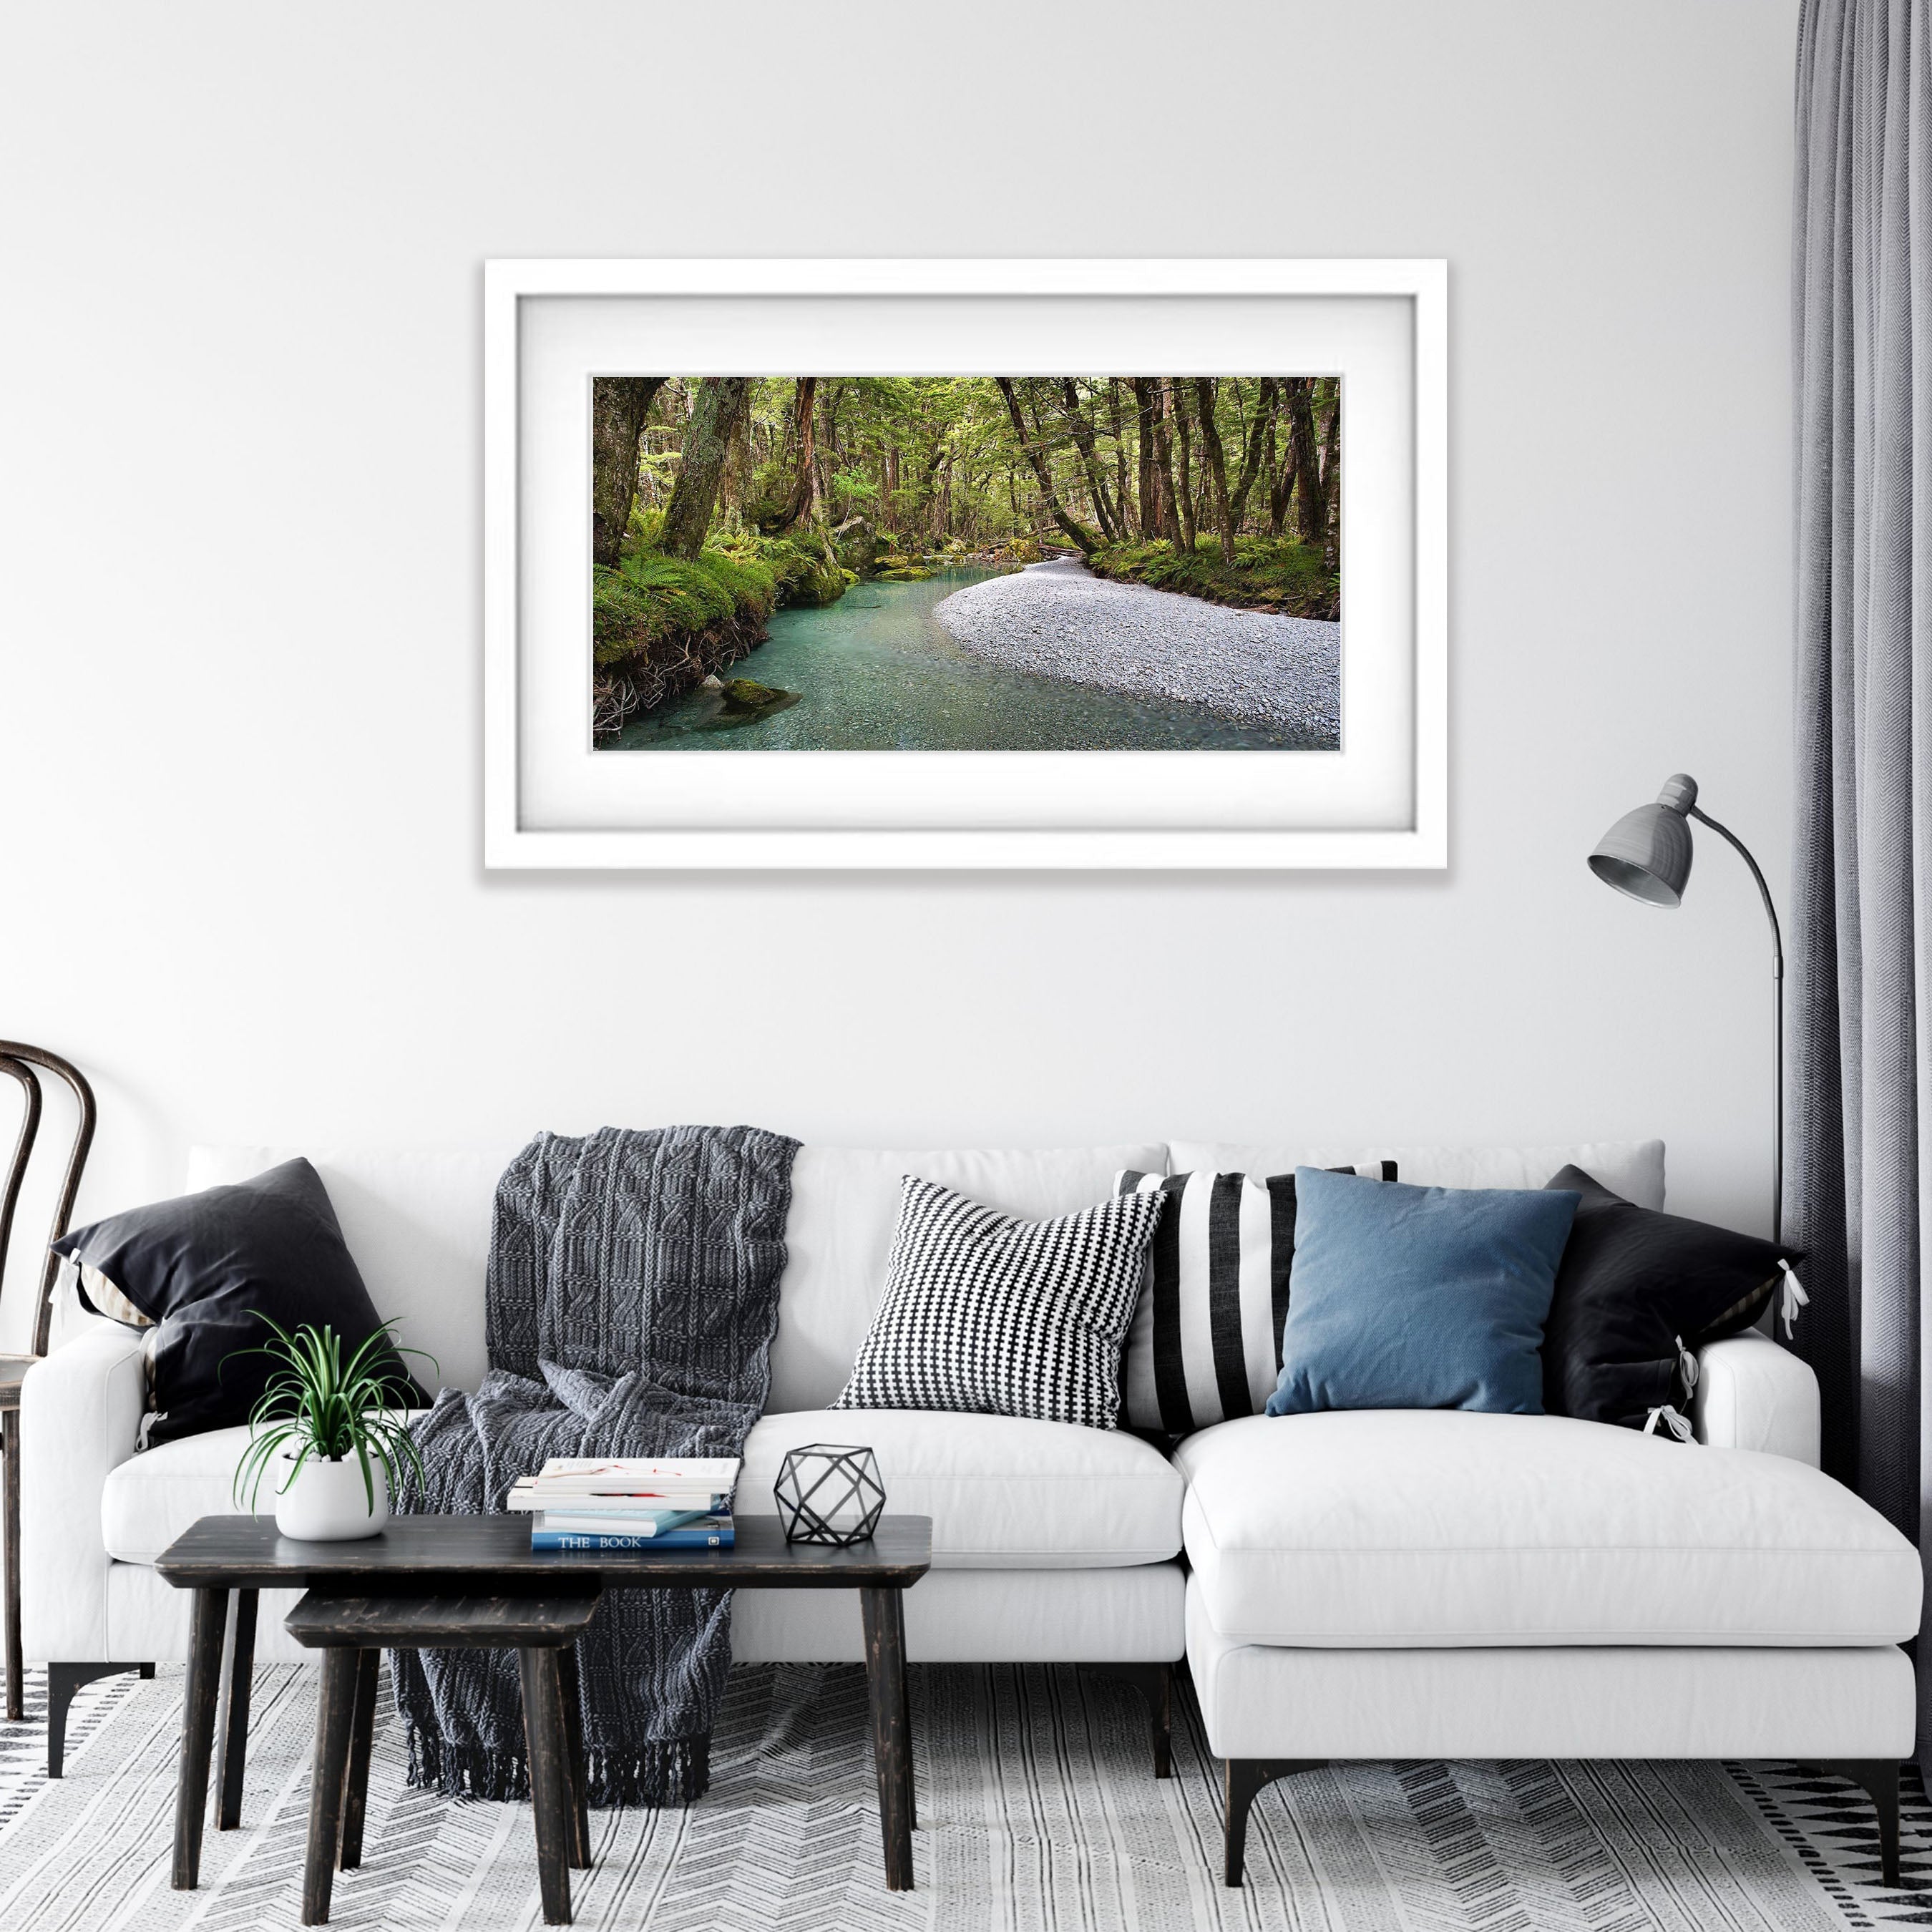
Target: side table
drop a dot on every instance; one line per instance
(352, 1631)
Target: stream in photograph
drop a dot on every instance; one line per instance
(877, 671)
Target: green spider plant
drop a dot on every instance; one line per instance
(321, 1408)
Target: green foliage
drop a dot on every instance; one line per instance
(854, 488)
(652, 600)
(319, 1407)
(1269, 574)
(803, 564)
(651, 597)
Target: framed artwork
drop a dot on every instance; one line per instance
(910, 564)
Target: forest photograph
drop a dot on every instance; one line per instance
(966, 563)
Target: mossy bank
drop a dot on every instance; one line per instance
(661, 624)
(1277, 574)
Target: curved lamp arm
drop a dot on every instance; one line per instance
(1743, 851)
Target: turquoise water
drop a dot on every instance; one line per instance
(877, 671)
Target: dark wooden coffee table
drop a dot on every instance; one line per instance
(425, 1556)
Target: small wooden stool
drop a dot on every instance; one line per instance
(350, 1630)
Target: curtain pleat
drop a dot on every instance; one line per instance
(1857, 1187)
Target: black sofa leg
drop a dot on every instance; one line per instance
(63, 1681)
(1243, 1779)
(1879, 1778)
(1155, 1682)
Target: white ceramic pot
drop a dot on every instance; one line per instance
(326, 1502)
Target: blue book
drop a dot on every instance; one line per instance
(722, 1537)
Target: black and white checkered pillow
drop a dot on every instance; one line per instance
(1205, 1343)
(987, 1313)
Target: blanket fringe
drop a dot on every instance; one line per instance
(675, 1772)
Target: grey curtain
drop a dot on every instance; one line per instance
(1862, 1004)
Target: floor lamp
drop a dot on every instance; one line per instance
(1647, 854)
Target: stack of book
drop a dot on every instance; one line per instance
(625, 1502)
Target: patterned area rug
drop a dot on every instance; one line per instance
(1037, 1812)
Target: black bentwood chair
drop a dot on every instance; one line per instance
(18, 1060)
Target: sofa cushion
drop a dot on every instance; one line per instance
(989, 1314)
(1003, 1493)
(1633, 1168)
(845, 1203)
(1391, 1528)
(152, 1498)
(1205, 1342)
(1639, 1293)
(219, 1271)
(1419, 1297)
(418, 1225)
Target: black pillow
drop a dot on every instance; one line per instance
(201, 1267)
(1633, 1286)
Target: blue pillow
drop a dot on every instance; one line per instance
(1419, 1297)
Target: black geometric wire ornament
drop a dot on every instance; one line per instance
(830, 1492)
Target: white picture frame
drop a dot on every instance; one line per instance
(551, 802)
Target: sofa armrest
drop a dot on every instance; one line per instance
(80, 1414)
(1753, 1394)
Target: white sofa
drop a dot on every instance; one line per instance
(1381, 1585)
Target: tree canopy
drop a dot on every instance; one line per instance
(971, 460)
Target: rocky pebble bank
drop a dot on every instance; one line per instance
(1058, 620)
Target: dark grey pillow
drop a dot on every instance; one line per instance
(206, 1266)
(1636, 1291)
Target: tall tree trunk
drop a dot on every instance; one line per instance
(1311, 512)
(1123, 498)
(714, 417)
(928, 488)
(1215, 461)
(1029, 448)
(1165, 520)
(1082, 433)
(823, 510)
(805, 420)
(619, 405)
(1276, 492)
(1147, 405)
(1181, 480)
(1254, 461)
(1331, 482)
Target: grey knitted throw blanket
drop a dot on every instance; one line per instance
(633, 1293)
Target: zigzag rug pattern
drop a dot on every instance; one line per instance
(1037, 1813)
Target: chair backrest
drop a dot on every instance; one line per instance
(18, 1060)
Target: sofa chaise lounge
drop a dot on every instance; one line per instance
(1378, 1585)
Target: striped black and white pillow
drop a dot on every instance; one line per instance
(1205, 1342)
(988, 1313)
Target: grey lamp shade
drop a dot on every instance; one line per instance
(1647, 853)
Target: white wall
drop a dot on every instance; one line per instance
(240, 557)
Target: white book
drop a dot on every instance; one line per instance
(628, 1483)
(718, 1472)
